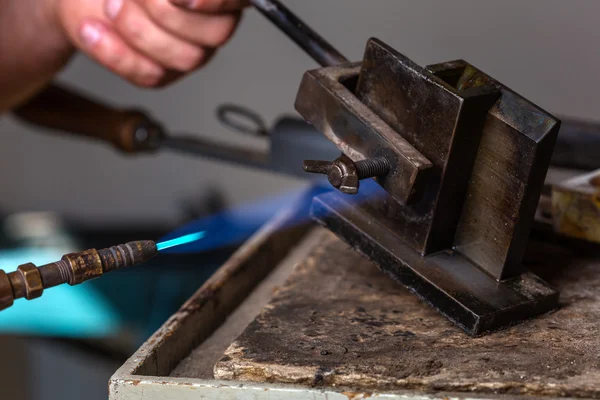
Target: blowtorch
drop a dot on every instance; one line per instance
(29, 281)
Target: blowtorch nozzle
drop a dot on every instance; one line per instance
(29, 281)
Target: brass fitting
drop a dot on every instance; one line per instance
(83, 266)
(29, 281)
(6, 293)
(32, 279)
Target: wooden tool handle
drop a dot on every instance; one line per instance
(63, 109)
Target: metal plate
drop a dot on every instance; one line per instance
(339, 322)
(449, 282)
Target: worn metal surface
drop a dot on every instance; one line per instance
(576, 207)
(340, 323)
(30, 281)
(326, 100)
(443, 120)
(505, 186)
(490, 149)
(448, 281)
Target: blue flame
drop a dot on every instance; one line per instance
(180, 241)
(232, 227)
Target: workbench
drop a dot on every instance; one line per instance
(298, 314)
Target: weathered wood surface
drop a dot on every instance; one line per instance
(338, 321)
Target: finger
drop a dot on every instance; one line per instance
(212, 6)
(210, 30)
(90, 32)
(137, 29)
(174, 76)
(96, 39)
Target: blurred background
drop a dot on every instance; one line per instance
(543, 49)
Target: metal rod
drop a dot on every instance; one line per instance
(198, 146)
(309, 40)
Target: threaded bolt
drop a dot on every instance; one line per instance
(372, 167)
(345, 175)
(64, 270)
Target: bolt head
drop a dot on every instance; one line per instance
(341, 173)
(33, 281)
(346, 176)
(336, 176)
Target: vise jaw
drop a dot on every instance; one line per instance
(466, 158)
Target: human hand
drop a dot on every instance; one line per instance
(150, 42)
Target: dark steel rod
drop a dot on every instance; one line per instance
(309, 40)
(198, 146)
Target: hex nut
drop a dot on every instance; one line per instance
(33, 281)
(6, 294)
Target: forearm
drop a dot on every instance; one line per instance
(33, 48)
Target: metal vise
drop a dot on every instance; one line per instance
(460, 162)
